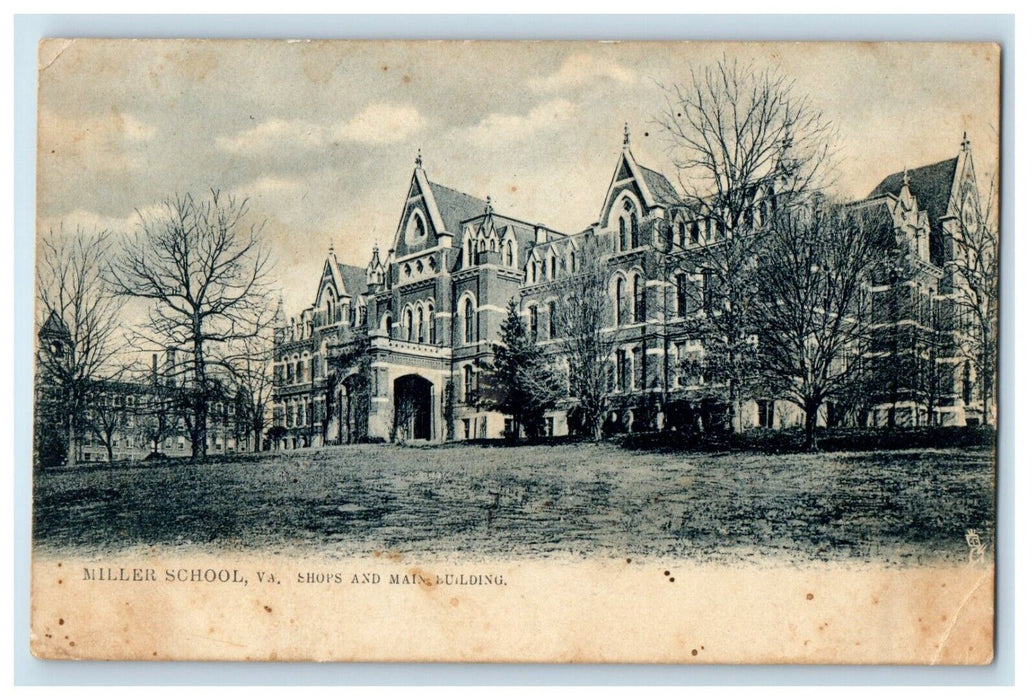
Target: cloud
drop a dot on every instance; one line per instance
(380, 124)
(273, 133)
(497, 128)
(580, 69)
(376, 124)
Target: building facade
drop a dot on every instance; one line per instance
(394, 351)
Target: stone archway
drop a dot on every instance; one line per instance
(412, 410)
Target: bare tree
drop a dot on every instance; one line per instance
(813, 322)
(249, 362)
(581, 317)
(79, 329)
(204, 269)
(745, 144)
(107, 415)
(976, 263)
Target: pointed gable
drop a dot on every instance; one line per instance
(652, 188)
(53, 325)
(430, 212)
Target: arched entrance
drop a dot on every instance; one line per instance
(412, 418)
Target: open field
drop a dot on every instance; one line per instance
(897, 507)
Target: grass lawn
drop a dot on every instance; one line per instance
(900, 507)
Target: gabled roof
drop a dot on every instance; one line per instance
(355, 279)
(661, 189)
(54, 325)
(455, 207)
(931, 184)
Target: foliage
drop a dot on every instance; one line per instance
(519, 381)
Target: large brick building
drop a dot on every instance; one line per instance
(393, 351)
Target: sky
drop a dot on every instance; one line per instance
(321, 136)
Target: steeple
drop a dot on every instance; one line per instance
(626, 136)
(278, 315)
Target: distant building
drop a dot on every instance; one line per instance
(138, 416)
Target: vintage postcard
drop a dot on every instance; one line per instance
(516, 351)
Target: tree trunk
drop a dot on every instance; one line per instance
(70, 457)
(108, 448)
(810, 442)
(199, 445)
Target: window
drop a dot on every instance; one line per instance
(408, 324)
(328, 318)
(622, 233)
(695, 232)
(469, 321)
(620, 302)
(681, 294)
(639, 311)
(765, 413)
(620, 370)
(572, 262)
(634, 228)
(470, 385)
(534, 323)
(470, 252)
(552, 327)
(708, 289)
(420, 324)
(553, 267)
(509, 254)
(291, 373)
(636, 369)
(431, 324)
(681, 237)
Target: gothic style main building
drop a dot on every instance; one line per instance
(393, 351)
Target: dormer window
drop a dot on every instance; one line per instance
(509, 254)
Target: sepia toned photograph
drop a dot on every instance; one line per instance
(503, 351)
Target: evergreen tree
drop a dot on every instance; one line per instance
(520, 382)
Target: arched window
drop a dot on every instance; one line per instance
(634, 229)
(681, 238)
(553, 267)
(299, 376)
(431, 324)
(509, 254)
(572, 262)
(534, 323)
(622, 233)
(482, 246)
(535, 270)
(552, 326)
(620, 302)
(470, 252)
(408, 324)
(469, 321)
(420, 324)
(388, 325)
(695, 232)
(329, 318)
